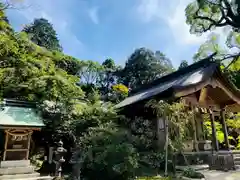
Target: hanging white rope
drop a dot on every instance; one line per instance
(16, 136)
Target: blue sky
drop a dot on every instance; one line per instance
(100, 29)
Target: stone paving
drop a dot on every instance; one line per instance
(219, 175)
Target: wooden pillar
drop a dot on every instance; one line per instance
(202, 128)
(196, 127)
(161, 133)
(214, 133)
(200, 131)
(194, 124)
(224, 126)
(28, 145)
(201, 124)
(166, 147)
(5, 146)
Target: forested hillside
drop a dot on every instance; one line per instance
(76, 98)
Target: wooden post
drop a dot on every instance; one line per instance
(5, 146)
(224, 126)
(29, 141)
(161, 133)
(214, 134)
(194, 124)
(50, 155)
(166, 148)
(202, 129)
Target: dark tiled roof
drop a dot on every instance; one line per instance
(203, 63)
(191, 75)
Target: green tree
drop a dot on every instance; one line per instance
(209, 47)
(25, 74)
(164, 61)
(43, 34)
(67, 63)
(118, 93)
(143, 66)
(90, 72)
(205, 15)
(232, 70)
(10, 4)
(183, 64)
(108, 79)
(108, 75)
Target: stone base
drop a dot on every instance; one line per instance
(195, 167)
(16, 167)
(19, 176)
(224, 162)
(26, 177)
(19, 170)
(9, 164)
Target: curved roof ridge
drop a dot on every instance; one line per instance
(202, 63)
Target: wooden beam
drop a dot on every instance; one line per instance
(29, 140)
(21, 128)
(203, 96)
(233, 108)
(191, 100)
(191, 89)
(227, 91)
(5, 146)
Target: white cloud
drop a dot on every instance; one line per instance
(179, 28)
(93, 14)
(149, 9)
(161, 15)
(173, 14)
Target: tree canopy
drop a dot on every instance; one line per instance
(31, 73)
(183, 64)
(144, 66)
(205, 15)
(43, 34)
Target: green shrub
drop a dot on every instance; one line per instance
(108, 154)
(191, 173)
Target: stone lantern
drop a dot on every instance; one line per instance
(58, 160)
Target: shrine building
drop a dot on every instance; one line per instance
(18, 121)
(202, 87)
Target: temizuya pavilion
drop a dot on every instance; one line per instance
(202, 86)
(18, 120)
